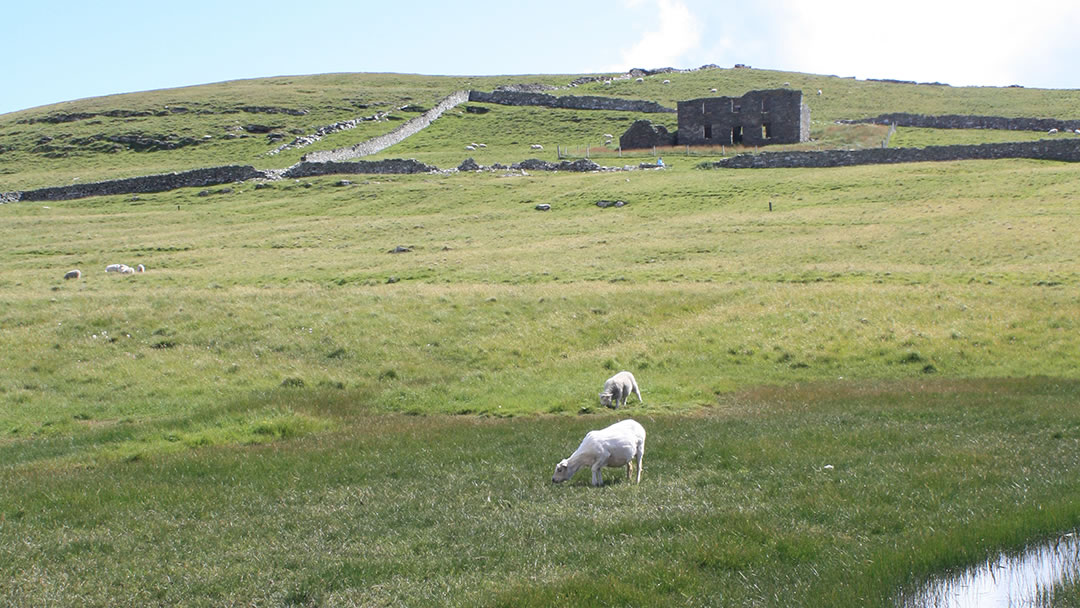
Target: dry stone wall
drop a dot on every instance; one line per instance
(389, 166)
(1059, 150)
(568, 102)
(213, 176)
(961, 121)
(376, 144)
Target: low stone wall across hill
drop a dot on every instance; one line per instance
(1059, 150)
(398, 166)
(961, 121)
(376, 144)
(213, 176)
(568, 102)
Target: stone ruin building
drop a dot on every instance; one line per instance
(758, 118)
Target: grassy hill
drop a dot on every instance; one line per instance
(281, 411)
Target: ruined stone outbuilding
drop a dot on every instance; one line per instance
(644, 134)
(758, 118)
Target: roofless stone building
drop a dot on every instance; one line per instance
(758, 118)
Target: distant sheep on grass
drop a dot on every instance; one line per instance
(73, 274)
(124, 268)
(537, 147)
(621, 444)
(618, 388)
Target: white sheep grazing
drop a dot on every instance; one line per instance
(73, 274)
(127, 270)
(140, 268)
(470, 148)
(537, 147)
(618, 388)
(621, 444)
(118, 268)
(819, 91)
(1052, 131)
(640, 80)
(667, 82)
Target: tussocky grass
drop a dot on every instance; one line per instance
(965, 270)
(831, 493)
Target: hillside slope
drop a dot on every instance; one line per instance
(241, 122)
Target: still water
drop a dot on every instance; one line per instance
(1026, 579)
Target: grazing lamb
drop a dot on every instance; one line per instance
(140, 268)
(73, 274)
(1052, 131)
(620, 444)
(470, 148)
(618, 388)
(537, 147)
(121, 268)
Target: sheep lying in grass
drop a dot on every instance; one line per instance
(620, 444)
(618, 388)
(121, 268)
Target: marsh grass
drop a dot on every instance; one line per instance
(736, 506)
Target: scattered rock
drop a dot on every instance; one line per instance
(257, 128)
(401, 249)
(606, 204)
(343, 182)
(543, 207)
(469, 165)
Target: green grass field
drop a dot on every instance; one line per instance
(283, 412)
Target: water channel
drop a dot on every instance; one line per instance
(1026, 579)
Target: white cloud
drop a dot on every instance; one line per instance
(676, 34)
(960, 43)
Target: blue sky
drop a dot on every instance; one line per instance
(60, 51)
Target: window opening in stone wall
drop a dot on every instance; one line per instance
(766, 130)
(736, 135)
(708, 131)
(763, 105)
(737, 109)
